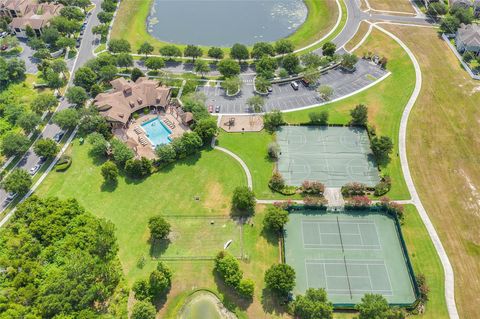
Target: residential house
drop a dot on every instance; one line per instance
(468, 38)
(128, 97)
(461, 3)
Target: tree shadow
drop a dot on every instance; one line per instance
(271, 303)
(109, 186)
(231, 298)
(270, 236)
(158, 247)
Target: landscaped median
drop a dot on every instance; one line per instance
(130, 24)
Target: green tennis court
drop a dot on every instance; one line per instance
(348, 254)
(334, 156)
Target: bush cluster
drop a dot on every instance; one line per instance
(358, 203)
(312, 188)
(277, 184)
(228, 268)
(383, 187)
(354, 189)
(156, 286)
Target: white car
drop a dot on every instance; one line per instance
(34, 169)
(11, 196)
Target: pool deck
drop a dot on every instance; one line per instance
(133, 138)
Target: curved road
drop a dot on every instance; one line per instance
(355, 16)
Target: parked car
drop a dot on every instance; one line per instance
(4, 47)
(270, 89)
(305, 82)
(210, 108)
(3, 34)
(35, 169)
(11, 196)
(58, 137)
(79, 41)
(217, 109)
(294, 85)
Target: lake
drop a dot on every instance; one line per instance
(224, 22)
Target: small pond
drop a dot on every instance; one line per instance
(224, 22)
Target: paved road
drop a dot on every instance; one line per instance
(30, 159)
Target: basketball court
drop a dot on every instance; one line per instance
(334, 156)
(348, 254)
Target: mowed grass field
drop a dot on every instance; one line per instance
(211, 176)
(443, 148)
(392, 5)
(385, 102)
(130, 24)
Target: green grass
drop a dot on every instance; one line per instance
(130, 24)
(385, 101)
(252, 149)
(425, 261)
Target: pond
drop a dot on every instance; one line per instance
(224, 22)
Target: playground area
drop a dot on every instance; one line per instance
(334, 156)
(212, 234)
(349, 254)
(241, 123)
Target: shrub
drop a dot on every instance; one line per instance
(160, 280)
(423, 287)
(313, 188)
(63, 163)
(143, 310)
(246, 288)
(315, 201)
(318, 118)
(273, 150)
(276, 183)
(243, 200)
(359, 115)
(391, 207)
(284, 204)
(354, 189)
(383, 187)
(138, 168)
(228, 268)
(280, 279)
(159, 227)
(358, 203)
(110, 172)
(273, 120)
(275, 219)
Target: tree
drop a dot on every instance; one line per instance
(243, 200)
(17, 182)
(110, 172)
(28, 121)
(191, 142)
(64, 25)
(145, 48)
(50, 35)
(359, 115)
(215, 53)
(312, 60)
(275, 219)
(170, 51)
(283, 46)
(273, 120)
(313, 305)
(53, 79)
(76, 95)
(64, 42)
(154, 63)
(46, 147)
(256, 102)
(11, 70)
(138, 168)
(14, 144)
(262, 48)
(266, 67)
(125, 60)
(36, 43)
(381, 147)
(228, 268)
(280, 279)
(119, 46)
(107, 73)
(246, 288)
(192, 51)
(319, 118)
(232, 85)
(239, 52)
(143, 310)
(329, 49)
(202, 67)
(436, 9)
(228, 68)
(206, 128)
(166, 154)
(325, 91)
(72, 13)
(159, 228)
(262, 84)
(373, 306)
(160, 280)
(85, 77)
(291, 63)
(66, 118)
(349, 61)
(141, 289)
(312, 76)
(121, 153)
(464, 15)
(135, 74)
(99, 144)
(29, 31)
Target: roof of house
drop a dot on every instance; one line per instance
(464, 3)
(128, 97)
(36, 15)
(469, 35)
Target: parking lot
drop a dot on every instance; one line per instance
(284, 97)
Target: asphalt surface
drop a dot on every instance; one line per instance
(282, 96)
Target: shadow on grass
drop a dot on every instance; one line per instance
(158, 247)
(270, 236)
(109, 186)
(231, 299)
(271, 303)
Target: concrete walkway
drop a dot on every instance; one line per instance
(242, 163)
(447, 267)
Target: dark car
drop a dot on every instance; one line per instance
(4, 47)
(58, 137)
(79, 41)
(305, 82)
(217, 109)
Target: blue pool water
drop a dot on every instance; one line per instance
(157, 132)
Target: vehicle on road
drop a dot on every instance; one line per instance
(35, 169)
(210, 109)
(294, 85)
(58, 137)
(217, 109)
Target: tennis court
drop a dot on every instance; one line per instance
(348, 254)
(334, 156)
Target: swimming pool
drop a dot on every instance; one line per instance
(157, 132)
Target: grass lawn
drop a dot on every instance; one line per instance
(392, 5)
(443, 151)
(130, 23)
(385, 102)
